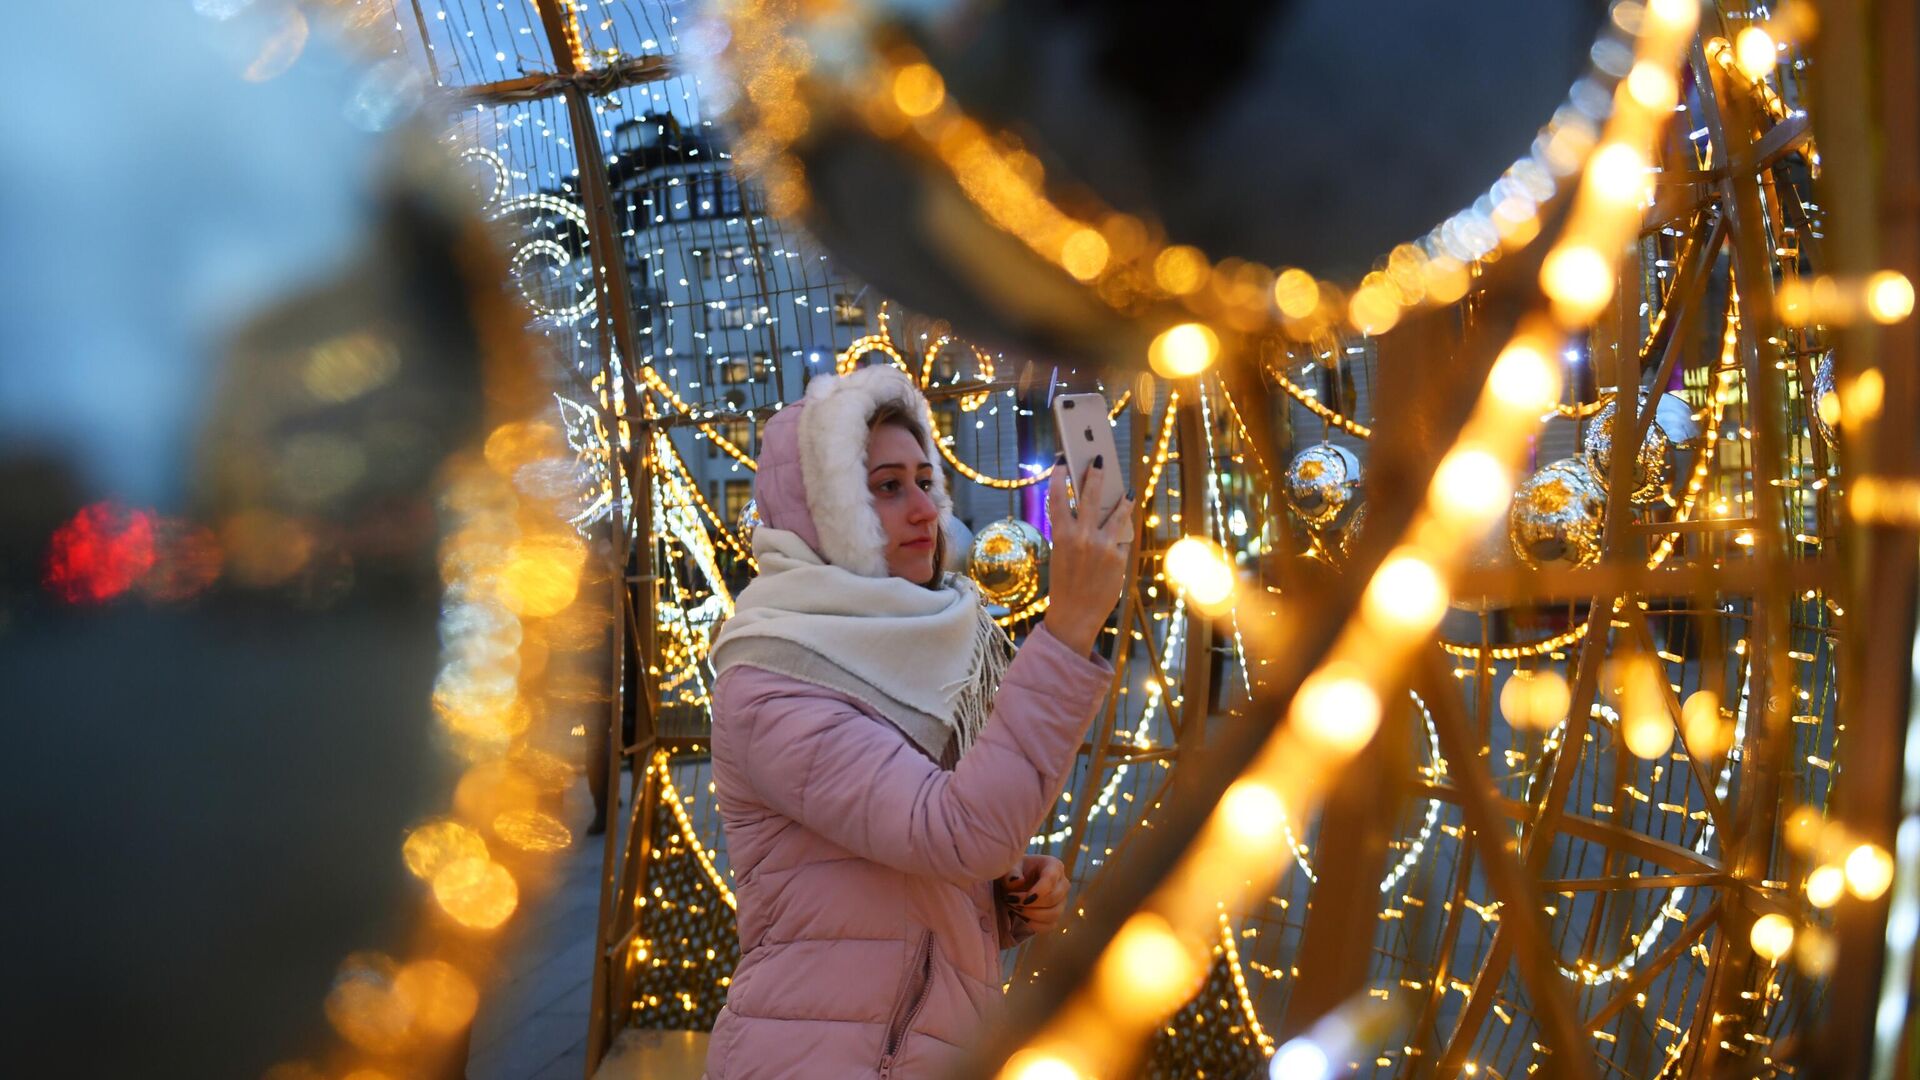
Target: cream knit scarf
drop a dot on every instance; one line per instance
(928, 660)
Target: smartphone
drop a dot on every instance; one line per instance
(1086, 433)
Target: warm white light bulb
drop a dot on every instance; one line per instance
(1535, 699)
(1825, 885)
(1653, 86)
(1755, 53)
(1184, 350)
(1708, 735)
(1618, 172)
(1772, 936)
(1579, 281)
(1253, 811)
(1200, 570)
(1472, 484)
(1648, 735)
(1038, 1065)
(1524, 379)
(1338, 709)
(1146, 969)
(1678, 16)
(1406, 594)
(1889, 297)
(1869, 871)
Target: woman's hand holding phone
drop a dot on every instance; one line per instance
(1089, 560)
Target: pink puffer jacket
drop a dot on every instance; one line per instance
(870, 924)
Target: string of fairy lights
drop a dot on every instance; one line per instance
(525, 158)
(1660, 553)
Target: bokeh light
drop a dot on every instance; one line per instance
(1889, 297)
(432, 846)
(1535, 700)
(440, 997)
(363, 1008)
(100, 553)
(476, 893)
(1201, 571)
(1337, 708)
(1147, 970)
(542, 574)
(1183, 351)
(1869, 871)
(532, 830)
(1772, 936)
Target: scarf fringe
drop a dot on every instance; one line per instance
(992, 652)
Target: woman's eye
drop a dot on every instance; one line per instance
(889, 486)
(926, 485)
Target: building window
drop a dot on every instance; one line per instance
(734, 372)
(721, 263)
(762, 366)
(848, 311)
(727, 316)
(716, 194)
(668, 200)
(738, 492)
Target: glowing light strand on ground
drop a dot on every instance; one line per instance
(1239, 975)
(670, 797)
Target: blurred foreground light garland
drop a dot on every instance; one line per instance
(507, 569)
(797, 59)
(1337, 706)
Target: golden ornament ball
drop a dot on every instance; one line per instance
(1557, 515)
(1005, 562)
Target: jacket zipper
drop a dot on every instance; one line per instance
(898, 1033)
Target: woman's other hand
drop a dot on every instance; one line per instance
(1089, 557)
(1037, 893)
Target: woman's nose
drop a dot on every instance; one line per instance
(922, 507)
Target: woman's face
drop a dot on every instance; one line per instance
(900, 480)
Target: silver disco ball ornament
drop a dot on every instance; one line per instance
(750, 520)
(1351, 535)
(1557, 515)
(1005, 561)
(1649, 465)
(1321, 481)
(1822, 386)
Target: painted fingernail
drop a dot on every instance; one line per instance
(1099, 461)
(1060, 458)
(1129, 494)
(1028, 899)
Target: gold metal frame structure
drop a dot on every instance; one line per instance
(1505, 839)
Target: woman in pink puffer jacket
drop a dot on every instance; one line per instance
(876, 821)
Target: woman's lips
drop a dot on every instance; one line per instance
(924, 543)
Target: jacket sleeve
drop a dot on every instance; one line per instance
(860, 784)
